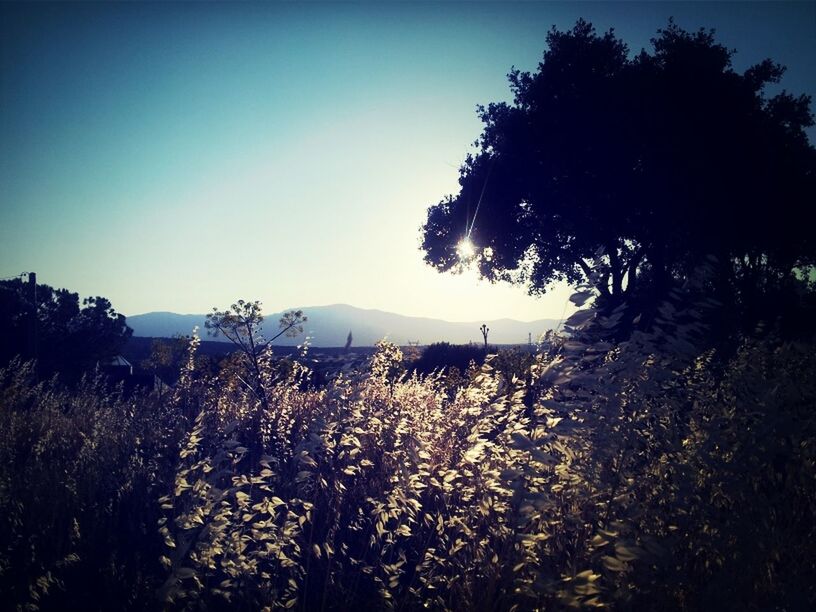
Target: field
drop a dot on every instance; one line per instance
(646, 474)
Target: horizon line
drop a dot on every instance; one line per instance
(304, 308)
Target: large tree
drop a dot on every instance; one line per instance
(70, 337)
(655, 159)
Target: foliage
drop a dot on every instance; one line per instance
(440, 355)
(79, 470)
(641, 474)
(514, 363)
(242, 325)
(658, 159)
(700, 499)
(167, 357)
(72, 337)
(457, 364)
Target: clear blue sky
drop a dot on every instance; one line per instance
(182, 156)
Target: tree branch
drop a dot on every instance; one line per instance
(585, 268)
(631, 268)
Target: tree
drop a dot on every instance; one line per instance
(242, 325)
(485, 330)
(72, 337)
(653, 161)
(168, 355)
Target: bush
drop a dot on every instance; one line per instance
(441, 356)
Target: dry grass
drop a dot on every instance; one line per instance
(646, 475)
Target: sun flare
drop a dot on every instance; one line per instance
(466, 249)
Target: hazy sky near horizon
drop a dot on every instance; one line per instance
(182, 156)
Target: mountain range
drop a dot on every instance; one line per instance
(330, 326)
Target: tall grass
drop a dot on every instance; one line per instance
(648, 474)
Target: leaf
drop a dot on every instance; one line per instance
(520, 441)
(542, 457)
(580, 298)
(475, 453)
(598, 541)
(628, 553)
(613, 564)
(580, 318)
(588, 575)
(306, 459)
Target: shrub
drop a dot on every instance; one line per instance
(443, 355)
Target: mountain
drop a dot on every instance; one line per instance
(330, 325)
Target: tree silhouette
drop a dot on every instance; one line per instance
(654, 160)
(242, 325)
(73, 336)
(485, 330)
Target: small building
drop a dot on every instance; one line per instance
(118, 366)
(120, 370)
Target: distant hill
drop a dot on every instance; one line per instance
(330, 325)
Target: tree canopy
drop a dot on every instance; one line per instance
(655, 159)
(71, 336)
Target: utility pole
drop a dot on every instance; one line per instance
(32, 297)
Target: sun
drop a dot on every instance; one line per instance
(466, 249)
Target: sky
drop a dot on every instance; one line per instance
(181, 156)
